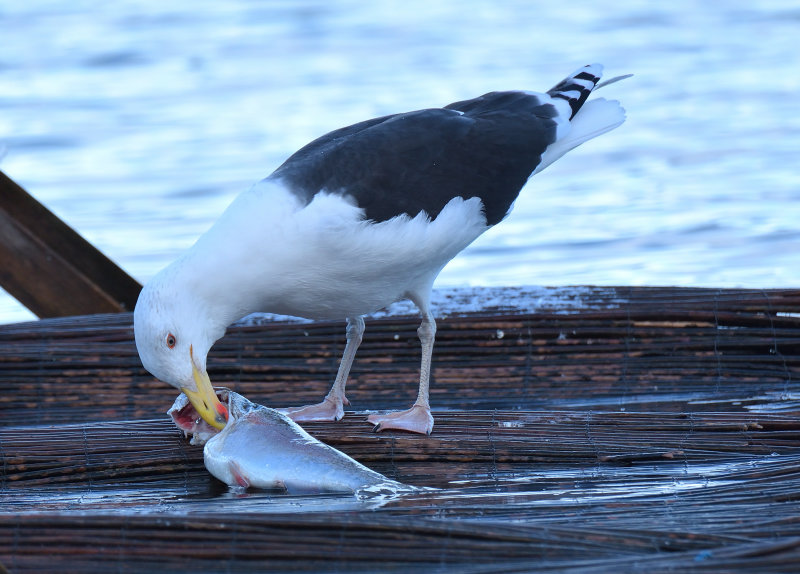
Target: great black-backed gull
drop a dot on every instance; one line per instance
(360, 218)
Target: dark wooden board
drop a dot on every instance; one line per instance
(577, 430)
(623, 348)
(48, 267)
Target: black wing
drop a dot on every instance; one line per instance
(418, 161)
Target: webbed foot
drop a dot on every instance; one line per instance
(416, 419)
(331, 409)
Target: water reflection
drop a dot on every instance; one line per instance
(138, 124)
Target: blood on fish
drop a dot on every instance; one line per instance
(238, 475)
(185, 418)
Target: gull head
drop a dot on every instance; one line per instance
(173, 336)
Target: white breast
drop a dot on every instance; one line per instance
(269, 253)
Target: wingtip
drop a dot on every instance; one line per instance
(596, 68)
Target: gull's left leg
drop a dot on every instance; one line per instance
(418, 418)
(332, 407)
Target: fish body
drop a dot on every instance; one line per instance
(263, 448)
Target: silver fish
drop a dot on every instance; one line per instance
(263, 448)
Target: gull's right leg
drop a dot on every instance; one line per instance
(332, 407)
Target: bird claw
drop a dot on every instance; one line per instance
(417, 419)
(330, 409)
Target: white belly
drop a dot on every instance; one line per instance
(360, 267)
(323, 261)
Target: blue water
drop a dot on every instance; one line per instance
(138, 122)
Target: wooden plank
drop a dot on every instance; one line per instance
(541, 488)
(732, 349)
(487, 446)
(50, 268)
(584, 430)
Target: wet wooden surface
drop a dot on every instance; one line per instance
(633, 429)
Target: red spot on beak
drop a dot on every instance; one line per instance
(222, 411)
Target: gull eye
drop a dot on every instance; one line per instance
(171, 341)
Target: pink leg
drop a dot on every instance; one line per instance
(418, 418)
(332, 407)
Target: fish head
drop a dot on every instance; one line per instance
(186, 418)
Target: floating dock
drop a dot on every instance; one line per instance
(577, 429)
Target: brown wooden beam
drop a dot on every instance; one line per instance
(48, 267)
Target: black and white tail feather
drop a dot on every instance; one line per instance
(575, 89)
(588, 118)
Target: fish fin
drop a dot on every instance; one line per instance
(238, 475)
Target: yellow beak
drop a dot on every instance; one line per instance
(204, 399)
